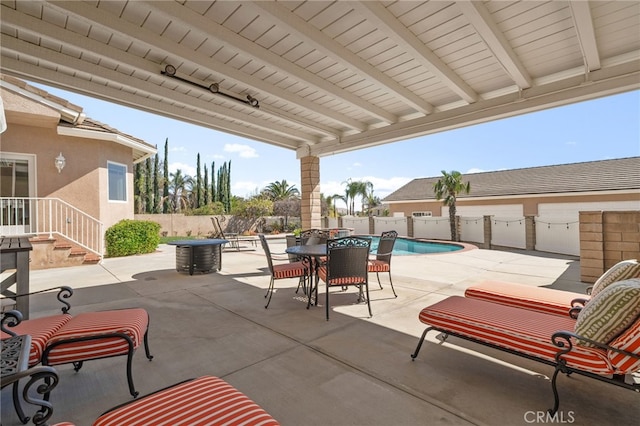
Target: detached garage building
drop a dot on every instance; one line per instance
(550, 191)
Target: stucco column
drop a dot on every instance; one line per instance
(310, 195)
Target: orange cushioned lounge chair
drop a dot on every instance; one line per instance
(602, 343)
(549, 300)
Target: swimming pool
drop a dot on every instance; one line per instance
(406, 246)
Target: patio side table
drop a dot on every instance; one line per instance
(14, 256)
(203, 256)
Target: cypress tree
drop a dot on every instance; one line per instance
(205, 179)
(198, 200)
(227, 189)
(138, 188)
(148, 181)
(165, 183)
(156, 184)
(214, 193)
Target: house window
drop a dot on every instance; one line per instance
(117, 181)
(421, 214)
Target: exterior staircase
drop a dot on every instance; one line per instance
(58, 252)
(62, 234)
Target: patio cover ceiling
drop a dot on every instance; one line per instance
(326, 77)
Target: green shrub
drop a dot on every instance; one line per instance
(129, 237)
(211, 209)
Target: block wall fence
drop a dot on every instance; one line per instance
(606, 238)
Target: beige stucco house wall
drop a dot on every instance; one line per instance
(40, 126)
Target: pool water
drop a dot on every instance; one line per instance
(405, 246)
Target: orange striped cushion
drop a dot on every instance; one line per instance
(379, 266)
(521, 330)
(132, 322)
(628, 341)
(40, 330)
(541, 299)
(203, 401)
(289, 270)
(322, 273)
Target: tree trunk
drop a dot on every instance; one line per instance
(452, 222)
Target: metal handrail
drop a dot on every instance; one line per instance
(53, 216)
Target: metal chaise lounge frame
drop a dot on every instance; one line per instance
(491, 325)
(233, 237)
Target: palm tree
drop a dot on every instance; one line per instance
(365, 191)
(331, 201)
(350, 193)
(355, 189)
(371, 202)
(281, 190)
(179, 186)
(447, 188)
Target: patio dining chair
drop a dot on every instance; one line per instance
(347, 265)
(314, 236)
(382, 261)
(280, 271)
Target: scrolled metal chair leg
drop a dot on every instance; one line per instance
(50, 380)
(16, 403)
(556, 397)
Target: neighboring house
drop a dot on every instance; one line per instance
(96, 177)
(556, 191)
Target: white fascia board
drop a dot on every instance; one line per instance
(513, 197)
(109, 137)
(68, 115)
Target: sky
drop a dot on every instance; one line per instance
(599, 129)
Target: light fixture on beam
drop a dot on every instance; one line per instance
(170, 71)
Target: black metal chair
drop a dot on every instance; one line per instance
(280, 271)
(347, 265)
(382, 261)
(313, 236)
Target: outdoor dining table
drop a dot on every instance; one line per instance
(14, 260)
(313, 253)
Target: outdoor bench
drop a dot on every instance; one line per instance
(66, 339)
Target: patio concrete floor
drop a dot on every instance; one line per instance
(350, 370)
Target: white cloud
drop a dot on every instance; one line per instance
(185, 168)
(244, 188)
(244, 151)
(177, 149)
(475, 170)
